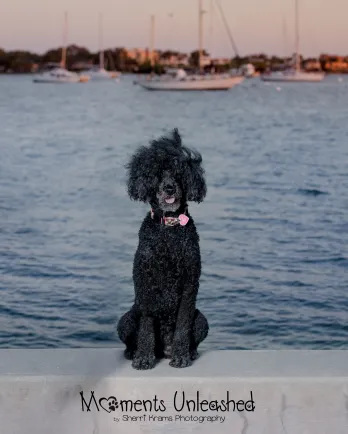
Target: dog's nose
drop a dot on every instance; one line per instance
(169, 189)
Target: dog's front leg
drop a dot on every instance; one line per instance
(145, 354)
(181, 357)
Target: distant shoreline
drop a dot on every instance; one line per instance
(140, 73)
(142, 60)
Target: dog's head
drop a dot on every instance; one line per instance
(166, 174)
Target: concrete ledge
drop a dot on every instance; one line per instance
(73, 391)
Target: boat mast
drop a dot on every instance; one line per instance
(65, 38)
(297, 37)
(224, 20)
(211, 25)
(285, 37)
(200, 34)
(152, 39)
(101, 51)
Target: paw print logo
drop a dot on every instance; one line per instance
(112, 404)
(109, 404)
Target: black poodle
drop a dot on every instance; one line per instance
(164, 321)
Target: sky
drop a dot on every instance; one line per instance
(266, 26)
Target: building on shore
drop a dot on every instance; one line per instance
(334, 64)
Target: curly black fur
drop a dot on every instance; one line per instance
(164, 321)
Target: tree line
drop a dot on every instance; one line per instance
(118, 59)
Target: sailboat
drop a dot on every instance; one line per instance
(294, 74)
(98, 72)
(179, 80)
(54, 73)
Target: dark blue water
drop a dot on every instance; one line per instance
(273, 227)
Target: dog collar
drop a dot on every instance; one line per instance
(182, 220)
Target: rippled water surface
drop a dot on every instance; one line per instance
(273, 228)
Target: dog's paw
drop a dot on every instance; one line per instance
(144, 362)
(181, 361)
(194, 354)
(167, 352)
(128, 354)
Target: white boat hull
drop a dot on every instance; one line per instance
(47, 80)
(192, 84)
(60, 75)
(102, 75)
(305, 77)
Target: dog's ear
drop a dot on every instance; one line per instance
(141, 175)
(193, 179)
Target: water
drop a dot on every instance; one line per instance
(273, 227)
